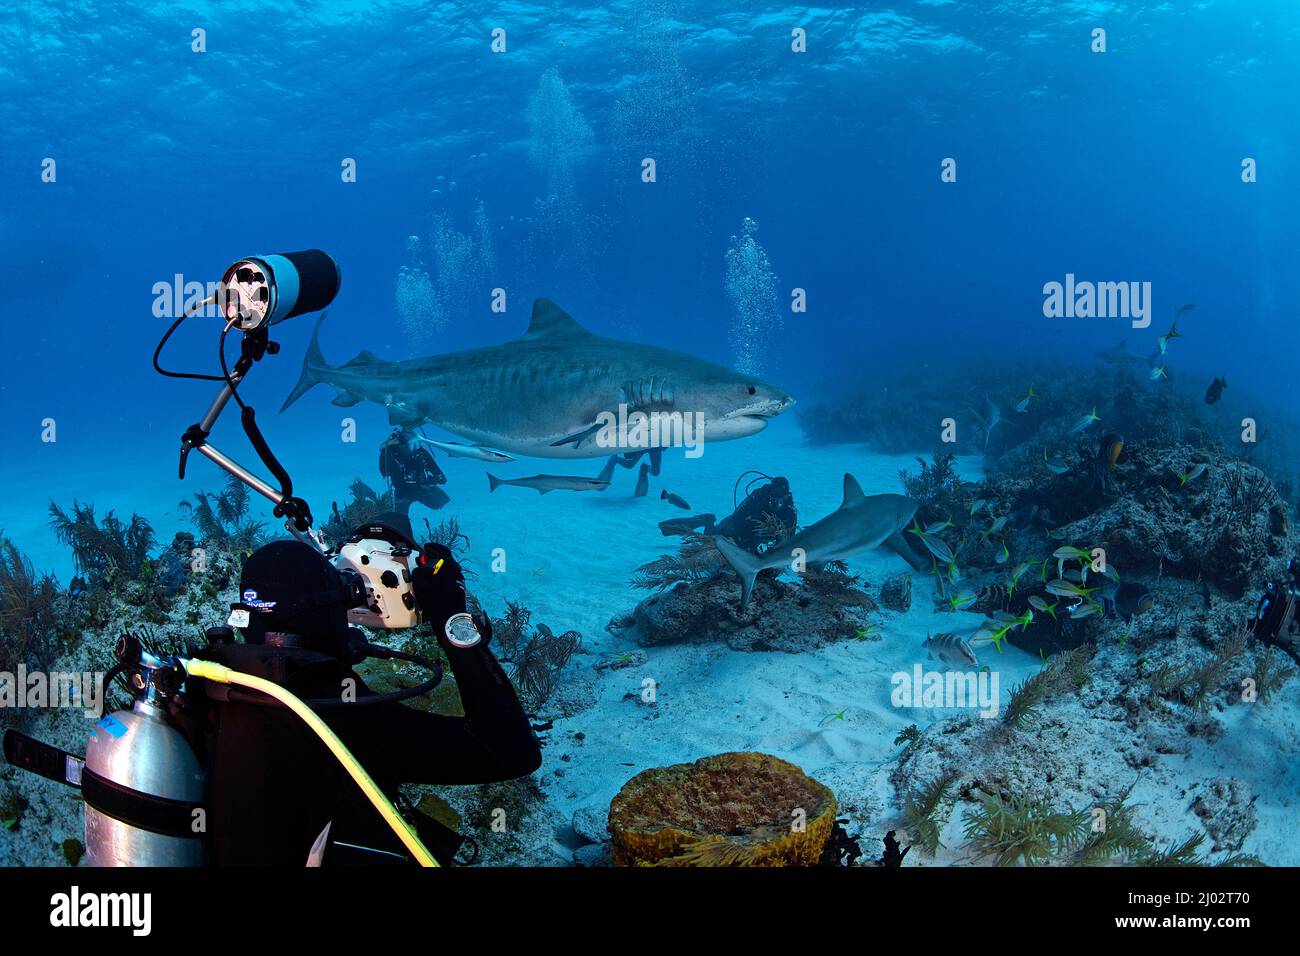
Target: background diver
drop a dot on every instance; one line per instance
(273, 786)
(411, 471)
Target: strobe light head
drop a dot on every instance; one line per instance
(263, 290)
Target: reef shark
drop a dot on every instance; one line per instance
(860, 523)
(545, 394)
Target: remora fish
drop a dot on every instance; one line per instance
(460, 450)
(545, 483)
(544, 394)
(860, 523)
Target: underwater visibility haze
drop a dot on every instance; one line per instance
(881, 410)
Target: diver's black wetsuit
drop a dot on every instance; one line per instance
(414, 473)
(273, 786)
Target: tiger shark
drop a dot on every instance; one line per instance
(860, 523)
(553, 392)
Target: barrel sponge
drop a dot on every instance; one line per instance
(732, 809)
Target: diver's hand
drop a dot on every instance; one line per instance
(439, 586)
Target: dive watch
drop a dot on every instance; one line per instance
(461, 630)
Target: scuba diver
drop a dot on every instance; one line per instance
(273, 786)
(412, 472)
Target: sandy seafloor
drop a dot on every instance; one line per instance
(569, 559)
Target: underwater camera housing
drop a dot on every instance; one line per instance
(376, 564)
(1275, 614)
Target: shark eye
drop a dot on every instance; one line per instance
(752, 390)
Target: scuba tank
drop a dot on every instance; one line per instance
(142, 783)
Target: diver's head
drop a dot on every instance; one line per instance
(288, 587)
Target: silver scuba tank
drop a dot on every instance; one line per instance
(142, 784)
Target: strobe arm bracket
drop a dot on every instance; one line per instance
(254, 346)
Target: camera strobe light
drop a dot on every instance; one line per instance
(263, 290)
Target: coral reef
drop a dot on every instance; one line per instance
(826, 606)
(105, 551)
(536, 656)
(1226, 808)
(361, 506)
(733, 809)
(1030, 788)
(223, 519)
(27, 610)
(896, 593)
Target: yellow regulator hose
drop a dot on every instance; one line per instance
(220, 674)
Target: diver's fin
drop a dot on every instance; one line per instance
(550, 321)
(684, 526)
(607, 473)
(745, 564)
(314, 366)
(317, 854)
(852, 491)
(656, 460)
(577, 438)
(898, 544)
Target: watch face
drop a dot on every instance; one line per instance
(462, 631)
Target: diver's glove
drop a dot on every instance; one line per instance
(439, 586)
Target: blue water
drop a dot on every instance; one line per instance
(522, 170)
(1122, 165)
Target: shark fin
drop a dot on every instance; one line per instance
(898, 544)
(852, 491)
(746, 565)
(550, 321)
(314, 367)
(493, 482)
(362, 358)
(343, 398)
(577, 438)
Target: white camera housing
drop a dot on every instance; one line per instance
(386, 569)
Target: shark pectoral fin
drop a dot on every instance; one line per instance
(747, 565)
(577, 438)
(898, 544)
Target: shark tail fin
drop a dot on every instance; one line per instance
(745, 564)
(493, 482)
(313, 368)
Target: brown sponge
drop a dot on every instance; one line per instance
(733, 809)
